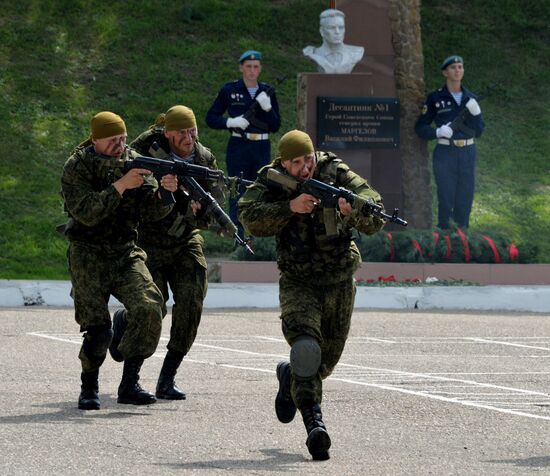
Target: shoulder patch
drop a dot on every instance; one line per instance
(424, 109)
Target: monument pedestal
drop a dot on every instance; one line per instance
(380, 166)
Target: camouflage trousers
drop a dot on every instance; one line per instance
(188, 282)
(95, 276)
(322, 312)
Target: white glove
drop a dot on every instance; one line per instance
(238, 122)
(264, 100)
(473, 106)
(444, 131)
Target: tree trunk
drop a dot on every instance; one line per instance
(409, 76)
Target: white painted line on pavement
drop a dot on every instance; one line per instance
(428, 376)
(47, 336)
(489, 394)
(487, 341)
(352, 373)
(446, 399)
(372, 339)
(272, 339)
(239, 367)
(489, 373)
(239, 351)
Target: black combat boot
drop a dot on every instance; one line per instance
(129, 390)
(166, 385)
(89, 391)
(119, 326)
(318, 440)
(284, 405)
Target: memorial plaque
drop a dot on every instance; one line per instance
(357, 122)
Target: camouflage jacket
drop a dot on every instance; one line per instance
(98, 214)
(180, 228)
(303, 246)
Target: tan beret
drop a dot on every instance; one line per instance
(294, 144)
(107, 124)
(178, 118)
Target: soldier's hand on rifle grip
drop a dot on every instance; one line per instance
(264, 101)
(195, 207)
(169, 182)
(132, 179)
(304, 203)
(344, 206)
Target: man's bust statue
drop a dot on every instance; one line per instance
(333, 56)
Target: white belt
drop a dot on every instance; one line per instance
(456, 142)
(251, 136)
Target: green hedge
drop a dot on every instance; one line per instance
(449, 246)
(421, 246)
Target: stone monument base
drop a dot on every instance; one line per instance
(381, 167)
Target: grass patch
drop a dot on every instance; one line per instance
(62, 61)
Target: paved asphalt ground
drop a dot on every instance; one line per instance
(416, 393)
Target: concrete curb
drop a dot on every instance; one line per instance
(480, 273)
(16, 293)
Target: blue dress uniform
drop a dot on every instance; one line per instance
(454, 159)
(248, 150)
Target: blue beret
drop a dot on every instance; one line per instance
(450, 60)
(250, 55)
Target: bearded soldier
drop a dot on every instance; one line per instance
(317, 288)
(174, 246)
(105, 206)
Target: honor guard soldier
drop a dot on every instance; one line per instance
(249, 147)
(458, 122)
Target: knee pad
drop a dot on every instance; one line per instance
(305, 357)
(96, 341)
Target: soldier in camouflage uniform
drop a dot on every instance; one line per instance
(174, 245)
(105, 205)
(317, 288)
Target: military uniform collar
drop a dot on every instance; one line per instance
(240, 84)
(465, 91)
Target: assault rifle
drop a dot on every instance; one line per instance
(459, 122)
(182, 168)
(232, 184)
(187, 174)
(252, 111)
(329, 196)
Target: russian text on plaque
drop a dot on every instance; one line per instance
(357, 122)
